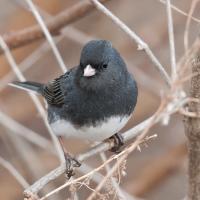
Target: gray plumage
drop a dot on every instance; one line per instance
(90, 101)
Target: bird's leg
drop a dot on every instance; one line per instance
(70, 161)
(118, 142)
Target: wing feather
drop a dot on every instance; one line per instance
(53, 93)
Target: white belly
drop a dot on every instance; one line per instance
(98, 133)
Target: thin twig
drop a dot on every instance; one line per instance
(24, 132)
(141, 44)
(54, 25)
(33, 97)
(187, 25)
(14, 172)
(115, 185)
(47, 34)
(181, 11)
(108, 175)
(28, 62)
(171, 40)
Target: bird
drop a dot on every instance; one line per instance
(92, 101)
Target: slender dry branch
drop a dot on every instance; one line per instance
(28, 62)
(187, 25)
(141, 44)
(26, 133)
(54, 25)
(171, 40)
(47, 35)
(34, 98)
(181, 11)
(14, 172)
(108, 175)
(115, 184)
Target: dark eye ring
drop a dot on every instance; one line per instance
(105, 66)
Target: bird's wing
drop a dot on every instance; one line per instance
(52, 92)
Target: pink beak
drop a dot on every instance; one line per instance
(89, 71)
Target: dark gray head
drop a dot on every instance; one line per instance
(100, 66)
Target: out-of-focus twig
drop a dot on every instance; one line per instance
(187, 25)
(171, 40)
(47, 35)
(180, 11)
(33, 97)
(141, 44)
(115, 185)
(26, 133)
(54, 25)
(14, 172)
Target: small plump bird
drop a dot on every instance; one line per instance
(92, 101)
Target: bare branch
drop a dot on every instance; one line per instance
(115, 185)
(47, 34)
(33, 97)
(171, 40)
(54, 25)
(180, 11)
(26, 133)
(28, 62)
(14, 172)
(141, 44)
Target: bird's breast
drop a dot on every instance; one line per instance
(98, 132)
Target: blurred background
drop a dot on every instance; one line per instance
(159, 170)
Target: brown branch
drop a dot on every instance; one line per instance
(54, 25)
(192, 130)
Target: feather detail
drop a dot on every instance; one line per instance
(53, 93)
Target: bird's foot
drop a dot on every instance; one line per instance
(71, 163)
(118, 142)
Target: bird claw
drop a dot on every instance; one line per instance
(118, 143)
(71, 163)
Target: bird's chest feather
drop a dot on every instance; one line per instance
(90, 109)
(98, 132)
(91, 117)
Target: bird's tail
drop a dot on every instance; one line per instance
(28, 86)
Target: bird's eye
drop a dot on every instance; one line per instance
(105, 66)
